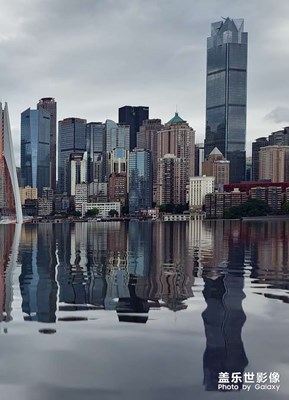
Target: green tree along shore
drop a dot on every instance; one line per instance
(251, 208)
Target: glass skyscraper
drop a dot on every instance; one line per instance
(71, 139)
(35, 149)
(226, 100)
(49, 104)
(140, 180)
(134, 117)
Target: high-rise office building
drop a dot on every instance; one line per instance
(147, 138)
(95, 134)
(71, 139)
(35, 149)
(256, 146)
(10, 202)
(134, 117)
(140, 180)
(226, 98)
(49, 104)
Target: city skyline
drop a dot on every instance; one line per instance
(132, 75)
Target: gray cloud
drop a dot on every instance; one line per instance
(94, 56)
(279, 114)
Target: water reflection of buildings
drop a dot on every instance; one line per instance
(268, 246)
(37, 280)
(171, 274)
(6, 244)
(124, 267)
(224, 316)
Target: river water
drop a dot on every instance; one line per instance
(144, 310)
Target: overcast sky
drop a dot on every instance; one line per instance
(95, 56)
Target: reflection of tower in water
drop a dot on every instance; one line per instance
(37, 280)
(171, 274)
(6, 244)
(224, 316)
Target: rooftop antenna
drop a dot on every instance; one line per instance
(176, 108)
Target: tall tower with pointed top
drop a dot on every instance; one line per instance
(226, 98)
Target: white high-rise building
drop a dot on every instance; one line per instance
(199, 187)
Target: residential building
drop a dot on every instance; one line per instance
(133, 116)
(217, 166)
(81, 195)
(140, 180)
(216, 203)
(226, 98)
(45, 202)
(35, 149)
(274, 163)
(272, 195)
(28, 193)
(178, 138)
(98, 192)
(171, 187)
(49, 104)
(118, 188)
(200, 186)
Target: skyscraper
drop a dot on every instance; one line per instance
(147, 138)
(177, 138)
(95, 134)
(140, 180)
(35, 149)
(226, 100)
(134, 117)
(49, 104)
(71, 139)
(256, 146)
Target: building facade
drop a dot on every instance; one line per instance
(96, 142)
(274, 163)
(49, 104)
(140, 180)
(217, 203)
(177, 138)
(35, 149)
(134, 117)
(171, 187)
(200, 186)
(256, 146)
(226, 97)
(217, 166)
(71, 139)
(147, 138)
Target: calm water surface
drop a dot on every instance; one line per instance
(144, 310)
